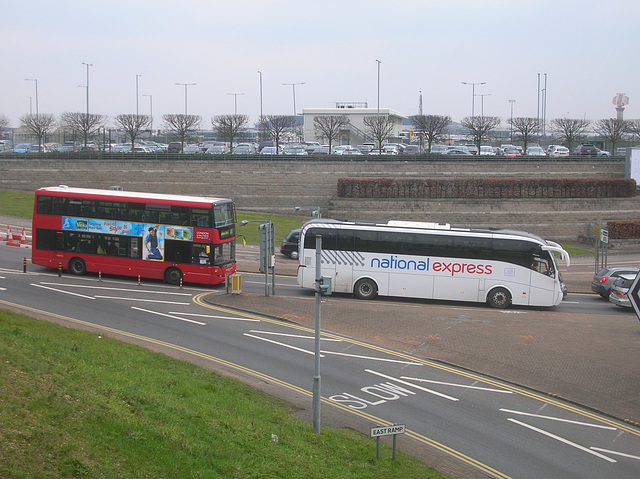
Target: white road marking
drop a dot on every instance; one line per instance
(579, 423)
(62, 291)
(214, 317)
(622, 454)
(372, 358)
(142, 300)
(293, 335)
(561, 439)
(168, 316)
(415, 386)
(282, 344)
(501, 391)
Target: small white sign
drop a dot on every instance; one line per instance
(388, 430)
(604, 235)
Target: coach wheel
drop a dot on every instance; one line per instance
(366, 289)
(77, 266)
(173, 276)
(499, 298)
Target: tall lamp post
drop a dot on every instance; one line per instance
(293, 85)
(511, 127)
(473, 95)
(260, 73)
(482, 95)
(137, 106)
(235, 101)
(185, 85)
(87, 65)
(36, 82)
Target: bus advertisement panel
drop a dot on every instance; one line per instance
(433, 261)
(171, 237)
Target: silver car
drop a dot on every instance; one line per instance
(618, 294)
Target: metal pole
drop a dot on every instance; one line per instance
(316, 373)
(379, 62)
(88, 65)
(272, 234)
(260, 73)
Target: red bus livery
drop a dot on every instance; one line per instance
(159, 236)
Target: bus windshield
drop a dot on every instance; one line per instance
(223, 214)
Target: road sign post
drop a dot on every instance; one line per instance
(380, 431)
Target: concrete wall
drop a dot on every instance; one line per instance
(277, 185)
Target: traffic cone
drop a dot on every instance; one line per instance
(10, 241)
(23, 238)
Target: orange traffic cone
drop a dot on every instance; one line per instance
(10, 241)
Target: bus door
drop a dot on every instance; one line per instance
(545, 287)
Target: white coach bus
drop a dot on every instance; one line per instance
(433, 261)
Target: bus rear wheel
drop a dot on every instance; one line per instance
(365, 289)
(499, 298)
(173, 276)
(77, 266)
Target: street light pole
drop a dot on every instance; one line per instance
(185, 94)
(482, 95)
(379, 62)
(235, 101)
(294, 95)
(473, 96)
(260, 73)
(87, 65)
(36, 82)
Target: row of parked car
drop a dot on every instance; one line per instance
(614, 283)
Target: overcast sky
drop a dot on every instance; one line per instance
(587, 48)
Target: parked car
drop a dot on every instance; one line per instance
(289, 246)
(458, 151)
(243, 150)
(390, 150)
(269, 150)
(486, 150)
(174, 147)
(365, 149)
(619, 289)
(295, 150)
(586, 149)
(351, 151)
(22, 148)
(473, 149)
(192, 149)
(438, 149)
(559, 151)
(603, 154)
(604, 279)
(535, 151)
(412, 150)
(216, 150)
(510, 152)
(320, 150)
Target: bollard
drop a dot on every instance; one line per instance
(24, 264)
(180, 283)
(99, 275)
(60, 269)
(138, 280)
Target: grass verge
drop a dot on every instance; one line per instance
(75, 404)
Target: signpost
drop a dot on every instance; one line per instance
(380, 431)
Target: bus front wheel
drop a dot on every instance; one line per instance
(173, 276)
(365, 289)
(499, 298)
(77, 266)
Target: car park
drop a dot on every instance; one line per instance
(620, 289)
(603, 280)
(289, 246)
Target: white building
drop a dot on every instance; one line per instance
(355, 133)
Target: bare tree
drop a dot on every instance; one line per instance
(85, 124)
(379, 127)
(430, 127)
(480, 126)
(133, 125)
(182, 125)
(277, 126)
(569, 130)
(633, 127)
(4, 122)
(527, 129)
(228, 126)
(329, 127)
(611, 130)
(38, 125)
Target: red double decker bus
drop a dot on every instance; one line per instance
(159, 236)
